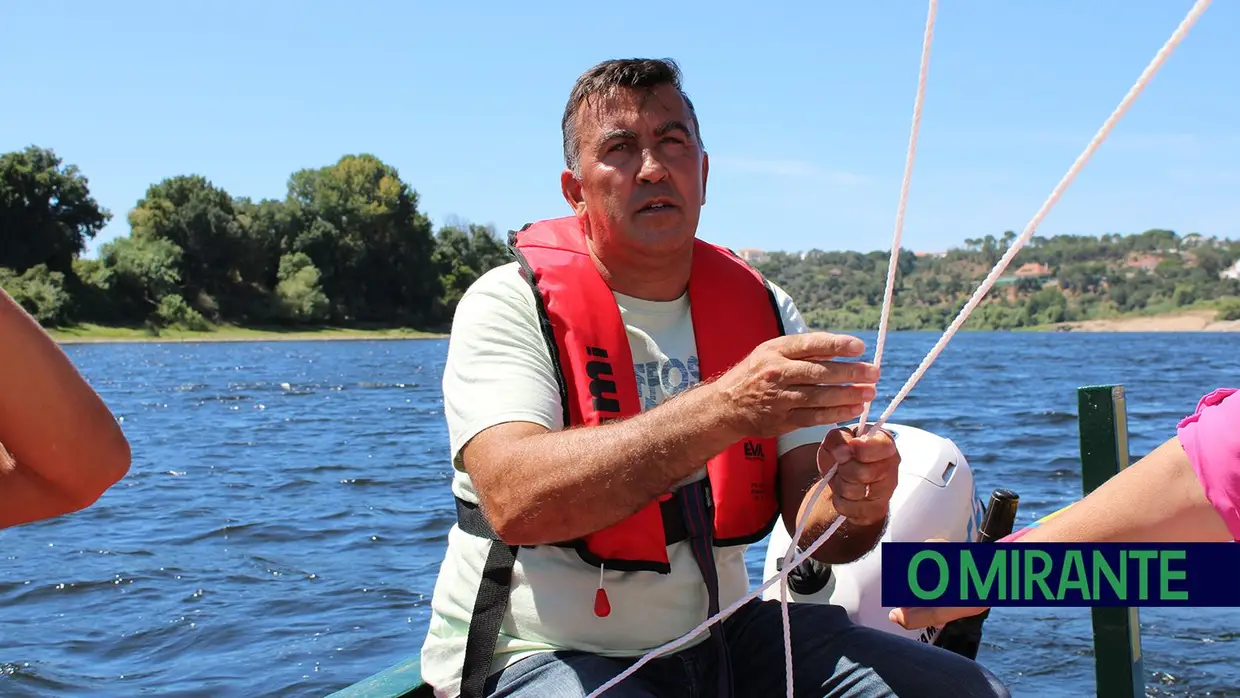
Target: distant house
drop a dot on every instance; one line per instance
(752, 256)
(1033, 270)
(1233, 272)
(1148, 262)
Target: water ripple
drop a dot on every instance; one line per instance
(281, 529)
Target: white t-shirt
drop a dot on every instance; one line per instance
(499, 370)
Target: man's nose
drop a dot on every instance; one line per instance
(652, 169)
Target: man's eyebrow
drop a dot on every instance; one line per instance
(673, 125)
(617, 133)
(663, 129)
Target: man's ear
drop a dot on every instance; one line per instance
(705, 172)
(570, 185)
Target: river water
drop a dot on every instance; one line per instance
(281, 528)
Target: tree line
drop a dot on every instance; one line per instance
(1061, 278)
(348, 246)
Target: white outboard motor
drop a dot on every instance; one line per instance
(935, 498)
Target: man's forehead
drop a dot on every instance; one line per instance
(624, 107)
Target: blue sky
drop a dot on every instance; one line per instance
(805, 107)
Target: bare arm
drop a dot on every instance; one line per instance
(799, 473)
(64, 447)
(1158, 499)
(538, 486)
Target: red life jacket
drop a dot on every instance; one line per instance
(733, 310)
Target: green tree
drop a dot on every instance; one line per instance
(47, 214)
(40, 291)
(360, 225)
(301, 298)
(464, 252)
(198, 217)
(135, 274)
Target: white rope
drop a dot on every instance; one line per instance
(889, 291)
(687, 637)
(1181, 31)
(893, 261)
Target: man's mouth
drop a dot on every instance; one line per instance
(656, 206)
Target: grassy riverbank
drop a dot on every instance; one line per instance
(92, 333)
(1194, 320)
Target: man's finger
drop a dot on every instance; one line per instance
(834, 448)
(859, 492)
(836, 442)
(809, 345)
(824, 372)
(873, 447)
(868, 473)
(842, 447)
(828, 395)
(917, 618)
(821, 416)
(864, 513)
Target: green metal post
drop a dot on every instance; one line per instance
(1103, 422)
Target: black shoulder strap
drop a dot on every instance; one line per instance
(491, 603)
(489, 609)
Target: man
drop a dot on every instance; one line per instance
(60, 447)
(629, 408)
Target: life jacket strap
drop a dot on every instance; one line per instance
(696, 502)
(494, 587)
(472, 521)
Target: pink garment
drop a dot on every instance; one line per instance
(1211, 438)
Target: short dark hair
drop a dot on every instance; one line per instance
(631, 73)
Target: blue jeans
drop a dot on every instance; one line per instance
(831, 656)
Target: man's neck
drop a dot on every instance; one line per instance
(650, 280)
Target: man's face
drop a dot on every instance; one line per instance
(643, 176)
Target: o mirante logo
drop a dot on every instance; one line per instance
(1060, 574)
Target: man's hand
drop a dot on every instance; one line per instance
(921, 617)
(788, 383)
(867, 476)
(917, 618)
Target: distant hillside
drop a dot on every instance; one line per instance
(348, 246)
(1054, 279)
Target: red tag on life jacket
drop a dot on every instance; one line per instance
(602, 607)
